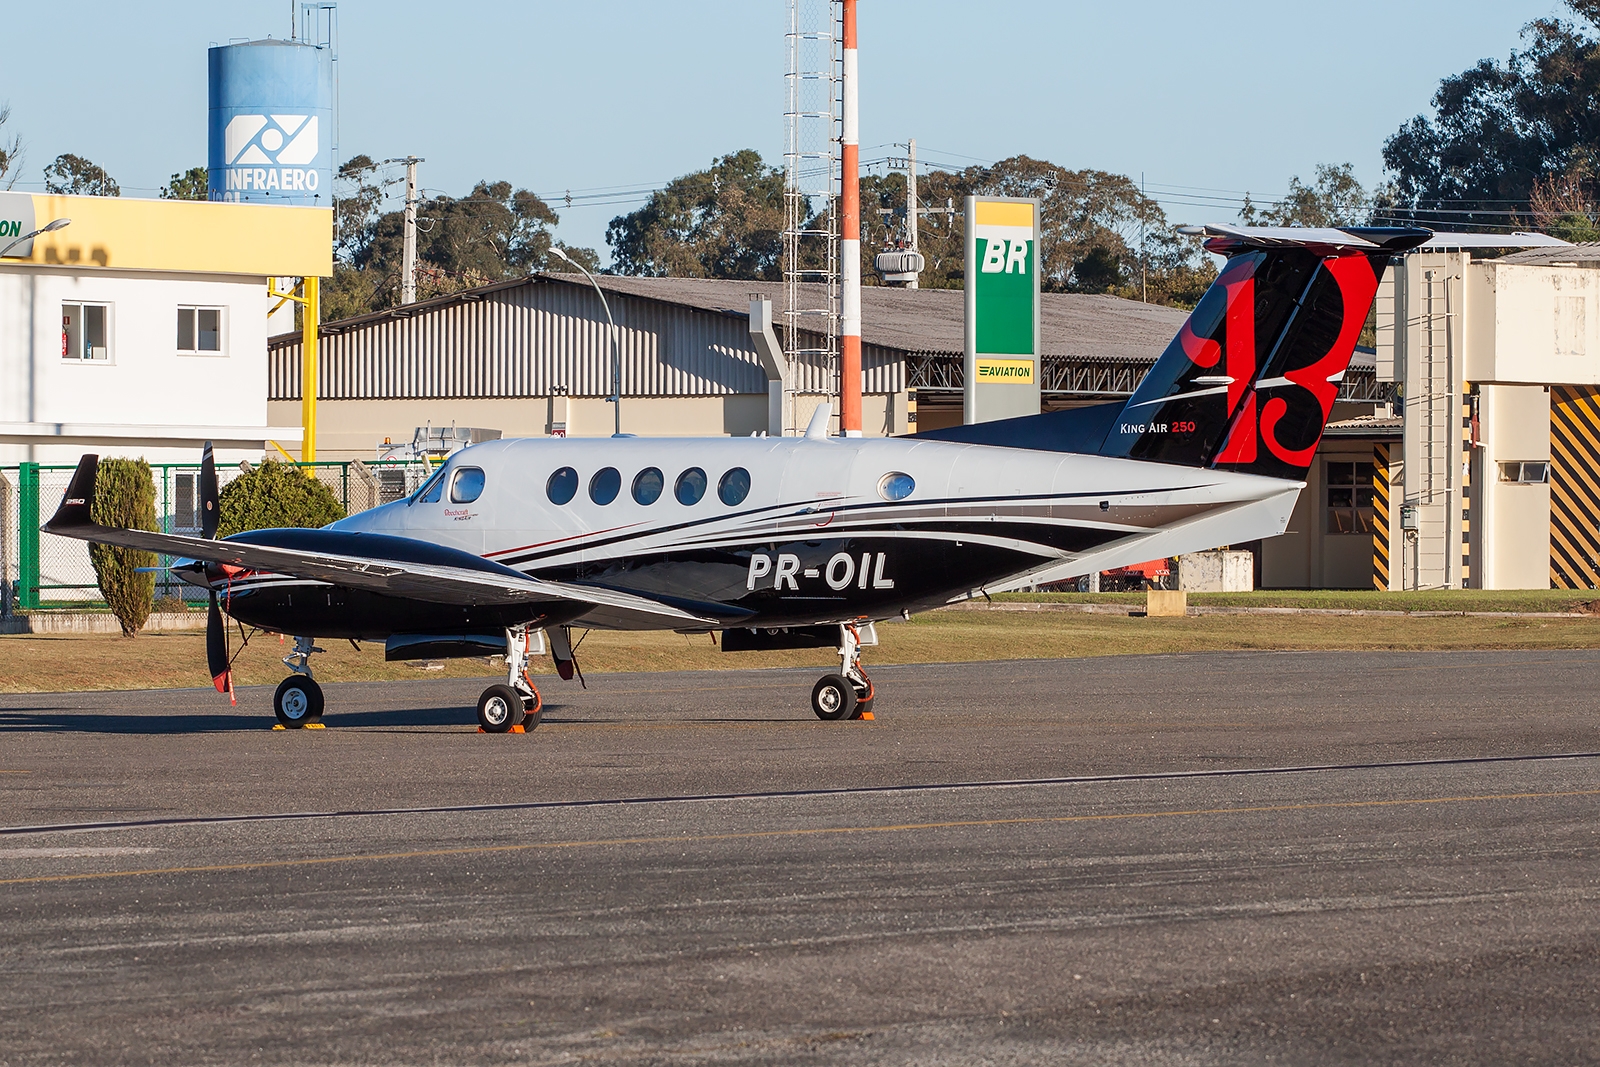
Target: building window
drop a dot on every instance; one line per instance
(1536, 472)
(84, 331)
(1349, 489)
(200, 331)
(186, 502)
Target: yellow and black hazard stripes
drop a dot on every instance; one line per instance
(1574, 487)
(1380, 515)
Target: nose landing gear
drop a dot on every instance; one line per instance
(848, 694)
(516, 706)
(298, 701)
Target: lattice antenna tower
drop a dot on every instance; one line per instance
(812, 120)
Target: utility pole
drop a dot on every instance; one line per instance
(408, 232)
(912, 210)
(1144, 249)
(408, 257)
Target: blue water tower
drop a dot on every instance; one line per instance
(271, 123)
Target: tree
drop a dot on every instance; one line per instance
(357, 197)
(1098, 232)
(1336, 198)
(190, 185)
(1560, 208)
(10, 150)
(724, 222)
(272, 496)
(587, 257)
(1500, 129)
(70, 174)
(125, 496)
(493, 233)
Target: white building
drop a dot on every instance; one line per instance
(137, 329)
(140, 328)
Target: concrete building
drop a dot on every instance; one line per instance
(1485, 474)
(141, 328)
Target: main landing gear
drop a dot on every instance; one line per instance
(515, 707)
(848, 694)
(298, 701)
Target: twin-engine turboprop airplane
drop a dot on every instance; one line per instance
(783, 542)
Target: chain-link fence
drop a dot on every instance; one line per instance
(42, 572)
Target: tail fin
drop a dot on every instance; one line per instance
(78, 503)
(1249, 382)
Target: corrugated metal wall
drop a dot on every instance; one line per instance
(531, 339)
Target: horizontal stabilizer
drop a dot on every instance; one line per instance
(1226, 239)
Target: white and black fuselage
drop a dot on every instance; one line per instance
(769, 532)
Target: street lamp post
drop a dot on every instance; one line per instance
(616, 355)
(49, 227)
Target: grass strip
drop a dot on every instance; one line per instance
(51, 663)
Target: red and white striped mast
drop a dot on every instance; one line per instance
(850, 240)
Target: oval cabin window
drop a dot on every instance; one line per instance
(691, 486)
(647, 485)
(562, 486)
(605, 485)
(896, 486)
(734, 486)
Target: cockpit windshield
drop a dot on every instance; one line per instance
(428, 492)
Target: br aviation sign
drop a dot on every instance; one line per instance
(1002, 290)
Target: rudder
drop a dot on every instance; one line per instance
(1249, 382)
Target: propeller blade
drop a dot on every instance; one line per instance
(217, 648)
(208, 494)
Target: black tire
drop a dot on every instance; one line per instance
(297, 701)
(833, 698)
(499, 709)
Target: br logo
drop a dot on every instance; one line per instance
(998, 259)
(271, 140)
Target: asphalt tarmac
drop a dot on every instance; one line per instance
(1229, 858)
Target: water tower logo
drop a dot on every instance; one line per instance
(271, 153)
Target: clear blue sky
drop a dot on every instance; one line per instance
(1219, 96)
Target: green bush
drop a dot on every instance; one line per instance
(125, 497)
(275, 495)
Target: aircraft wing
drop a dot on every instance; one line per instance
(397, 566)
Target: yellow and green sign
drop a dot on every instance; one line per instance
(16, 219)
(1002, 308)
(1013, 371)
